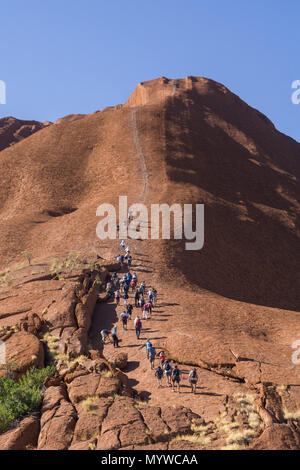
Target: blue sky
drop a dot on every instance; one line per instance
(70, 56)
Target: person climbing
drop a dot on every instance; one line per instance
(118, 297)
(122, 245)
(162, 357)
(136, 298)
(159, 374)
(142, 287)
(126, 289)
(129, 309)
(104, 335)
(151, 357)
(154, 291)
(145, 311)
(168, 371)
(129, 261)
(150, 295)
(176, 378)
(127, 250)
(149, 306)
(133, 285)
(138, 326)
(121, 260)
(124, 317)
(148, 347)
(193, 379)
(115, 337)
(141, 302)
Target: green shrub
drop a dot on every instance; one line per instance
(18, 398)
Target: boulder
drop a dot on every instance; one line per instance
(25, 350)
(23, 437)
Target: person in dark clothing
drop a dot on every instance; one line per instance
(136, 298)
(129, 310)
(115, 337)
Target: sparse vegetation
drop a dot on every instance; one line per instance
(27, 256)
(56, 267)
(18, 398)
(88, 404)
(72, 261)
(5, 279)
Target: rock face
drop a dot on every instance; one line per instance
(23, 437)
(14, 130)
(25, 350)
(230, 309)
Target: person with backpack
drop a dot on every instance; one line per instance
(145, 311)
(138, 327)
(122, 245)
(159, 374)
(142, 287)
(142, 303)
(115, 337)
(133, 285)
(118, 297)
(129, 261)
(129, 310)
(176, 378)
(168, 371)
(121, 260)
(151, 357)
(136, 298)
(124, 317)
(162, 357)
(193, 379)
(104, 335)
(126, 289)
(154, 292)
(148, 347)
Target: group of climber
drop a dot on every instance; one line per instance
(172, 374)
(120, 288)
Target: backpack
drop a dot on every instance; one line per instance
(193, 374)
(167, 367)
(138, 324)
(175, 373)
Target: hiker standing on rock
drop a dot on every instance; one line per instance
(148, 347)
(142, 287)
(193, 379)
(129, 309)
(118, 297)
(115, 337)
(136, 298)
(162, 357)
(159, 374)
(176, 379)
(104, 335)
(124, 317)
(168, 372)
(151, 356)
(129, 261)
(138, 327)
(142, 303)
